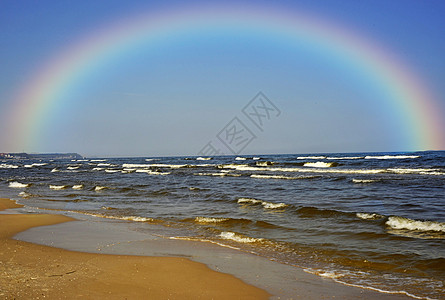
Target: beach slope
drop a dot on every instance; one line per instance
(30, 271)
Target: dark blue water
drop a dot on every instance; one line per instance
(369, 219)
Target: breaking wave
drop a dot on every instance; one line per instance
(321, 164)
(228, 235)
(391, 156)
(16, 184)
(265, 204)
(6, 166)
(397, 222)
(367, 216)
(206, 220)
(57, 187)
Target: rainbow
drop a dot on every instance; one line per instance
(413, 101)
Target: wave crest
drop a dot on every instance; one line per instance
(397, 222)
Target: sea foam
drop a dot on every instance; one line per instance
(57, 187)
(228, 235)
(367, 216)
(265, 204)
(205, 220)
(321, 164)
(6, 166)
(16, 184)
(397, 222)
(391, 156)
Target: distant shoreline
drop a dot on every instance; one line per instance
(24, 155)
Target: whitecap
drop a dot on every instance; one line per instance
(16, 184)
(363, 180)
(6, 166)
(265, 204)
(320, 164)
(367, 216)
(272, 176)
(210, 220)
(249, 201)
(78, 187)
(264, 163)
(228, 235)
(311, 157)
(391, 156)
(397, 222)
(270, 205)
(57, 187)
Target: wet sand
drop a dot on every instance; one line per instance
(31, 271)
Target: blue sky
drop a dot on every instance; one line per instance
(172, 97)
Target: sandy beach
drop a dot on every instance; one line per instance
(30, 271)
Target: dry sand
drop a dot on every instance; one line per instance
(30, 271)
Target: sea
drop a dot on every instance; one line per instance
(373, 220)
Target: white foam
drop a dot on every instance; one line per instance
(78, 187)
(249, 201)
(38, 164)
(16, 184)
(124, 218)
(57, 187)
(73, 168)
(98, 160)
(6, 166)
(228, 235)
(150, 172)
(256, 158)
(396, 222)
(345, 157)
(265, 204)
(363, 180)
(153, 165)
(210, 220)
(302, 170)
(391, 156)
(54, 170)
(99, 188)
(366, 216)
(221, 174)
(98, 169)
(272, 176)
(25, 195)
(264, 163)
(203, 158)
(112, 171)
(421, 171)
(320, 164)
(240, 158)
(311, 157)
(103, 165)
(270, 205)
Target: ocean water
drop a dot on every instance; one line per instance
(375, 220)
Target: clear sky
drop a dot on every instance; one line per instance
(172, 93)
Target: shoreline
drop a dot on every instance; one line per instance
(104, 237)
(36, 271)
